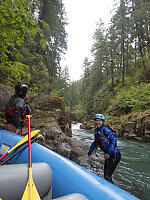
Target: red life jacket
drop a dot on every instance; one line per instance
(112, 129)
(9, 111)
(23, 115)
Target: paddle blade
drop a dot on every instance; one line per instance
(24, 139)
(30, 192)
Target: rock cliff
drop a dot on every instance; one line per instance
(137, 126)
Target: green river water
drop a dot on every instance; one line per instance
(133, 171)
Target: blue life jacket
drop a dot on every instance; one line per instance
(106, 139)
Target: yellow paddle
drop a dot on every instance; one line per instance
(30, 192)
(22, 141)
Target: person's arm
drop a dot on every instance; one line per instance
(92, 148)
(26, 99)
(28, 109)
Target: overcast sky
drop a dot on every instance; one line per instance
(82, 17)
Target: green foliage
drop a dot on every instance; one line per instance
(30, 46)
(40, 78)
(102, 99)
(78, 114)
(15, 23)
(15, 71)
(134, 98)
(55, 93)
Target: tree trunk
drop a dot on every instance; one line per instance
(112, 68)
(122, 40)
(135, 53)
(139, 38)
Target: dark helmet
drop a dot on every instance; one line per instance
(21, 90)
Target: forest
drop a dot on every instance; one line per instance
(32, 40)
(116, 81)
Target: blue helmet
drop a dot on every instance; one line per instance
(99, 116)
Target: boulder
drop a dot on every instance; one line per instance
(86, 126)
(5, 94)
(128, 129)
(139, 129)
(55, 109)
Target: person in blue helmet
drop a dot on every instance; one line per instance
(106, 139)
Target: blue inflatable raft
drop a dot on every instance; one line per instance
(67, 177)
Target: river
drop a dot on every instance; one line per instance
(133, 171)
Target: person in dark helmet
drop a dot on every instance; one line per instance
(105, 138)
(16, 109)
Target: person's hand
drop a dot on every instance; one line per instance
(18, 131)
(89, 155)
(106, 156)
(26, 99)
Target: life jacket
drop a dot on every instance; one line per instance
(12, 107)
(104, 141)
(9, 111)
(111, 128)
(23, 115)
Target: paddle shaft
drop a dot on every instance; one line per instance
(29, 143)
(4, 155)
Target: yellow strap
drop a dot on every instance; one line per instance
(28, 116)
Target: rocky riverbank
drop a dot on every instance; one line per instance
(133, 126)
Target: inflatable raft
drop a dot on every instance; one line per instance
(55, 176)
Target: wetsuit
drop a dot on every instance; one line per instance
(106, 139)
(15, 113)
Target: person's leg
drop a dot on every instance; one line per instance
(107, 169)
(12, 128)
(114, 164)
(110, 166)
